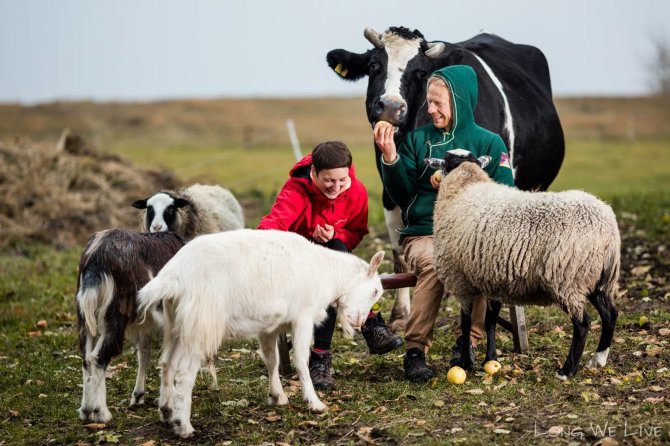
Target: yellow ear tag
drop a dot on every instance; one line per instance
(339, 69)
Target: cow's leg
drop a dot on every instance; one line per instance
(492, 311)
(579, 331)
(302, 338)
(184, 380)
(143, 358)
(401, 305)
(608, 316)
(270, 351)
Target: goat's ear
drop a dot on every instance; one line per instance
(375, 262)
(140, 204)
(180, 202)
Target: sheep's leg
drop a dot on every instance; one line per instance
(268, 342)
(184, 380)
(492, 312)
(467, 362)
(302, 338)
(608, 316)
(579, 331)
(143, 358)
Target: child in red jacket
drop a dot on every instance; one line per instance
(324, 202)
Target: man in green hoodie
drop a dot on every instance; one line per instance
(451, 97)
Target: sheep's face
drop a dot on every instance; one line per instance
(161, 212)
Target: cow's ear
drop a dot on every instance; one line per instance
(349, 66)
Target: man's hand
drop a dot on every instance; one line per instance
(383, 134)
(323, 234)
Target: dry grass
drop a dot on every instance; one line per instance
(60, 194)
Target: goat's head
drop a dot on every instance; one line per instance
(355, 304)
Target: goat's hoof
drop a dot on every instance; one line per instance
(561, 376)
(97, 415)
(317, 406)
(279, 400)
(166, 414)
(136, 399)
(182, 428)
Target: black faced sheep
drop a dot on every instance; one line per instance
(526, 248)
(198, 209)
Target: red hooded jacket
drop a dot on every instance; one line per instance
(300, 206)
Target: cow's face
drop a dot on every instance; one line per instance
(397, 68)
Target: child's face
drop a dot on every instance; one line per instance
(331, 182)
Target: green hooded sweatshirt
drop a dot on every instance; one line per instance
(407, 179)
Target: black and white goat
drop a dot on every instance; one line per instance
(114, 265)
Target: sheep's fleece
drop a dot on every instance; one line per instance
(521, 247)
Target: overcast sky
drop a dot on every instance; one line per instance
(159, 49)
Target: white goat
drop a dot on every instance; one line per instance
(251, 283)
(198, 209)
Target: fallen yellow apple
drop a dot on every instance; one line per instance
(643, 320)
(492, 367)
(456, 375)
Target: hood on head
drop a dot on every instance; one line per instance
(462, 81)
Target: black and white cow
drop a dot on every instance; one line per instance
(515, 101)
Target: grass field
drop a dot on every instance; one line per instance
(628, 402)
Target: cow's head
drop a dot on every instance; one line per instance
(398, 67)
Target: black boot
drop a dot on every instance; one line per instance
(319, 370)
(415, 366)
(379, 337)
(456, 352)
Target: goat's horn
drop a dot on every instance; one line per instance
(374, 37)
(434, 49)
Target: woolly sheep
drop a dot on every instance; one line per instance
(198, 209)
(251, 283)
(526, 248)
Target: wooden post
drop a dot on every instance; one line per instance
(517, 318)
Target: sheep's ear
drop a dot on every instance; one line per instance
(375, 262)
(140, 204)
(180, 202)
